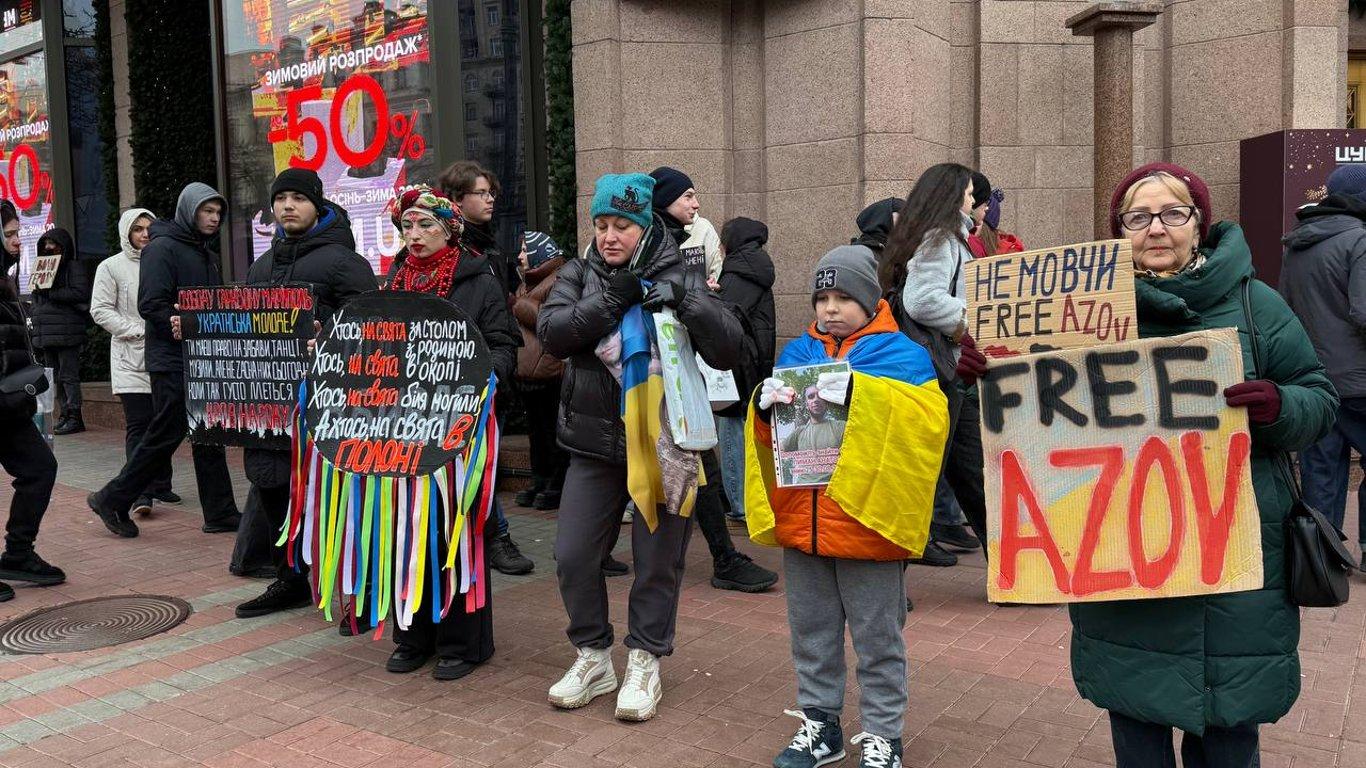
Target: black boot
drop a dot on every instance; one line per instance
(279, 596)
(72, 423)
(527, 496)
(506, 558)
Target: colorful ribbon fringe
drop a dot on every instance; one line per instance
(374, 541)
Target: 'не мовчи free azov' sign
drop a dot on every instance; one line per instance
(397, 385)
(1119, 473)
(245, 351)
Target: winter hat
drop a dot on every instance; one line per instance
(623, 194)
(1199, 193)
(428, 202)
(1348, 180)
(993, 217)
(539, 248)
(981, 188)
(670, 184)
(852, 270)
(303, 181)
(875, 221)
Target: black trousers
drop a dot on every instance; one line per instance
(152, 457)
(549, 461)
(710, 509)
(1147, 745)
(963, 463)
(274, 507)
(26, 458)
(66, 371)
(137, 414)
(464, 636)
(255, 544)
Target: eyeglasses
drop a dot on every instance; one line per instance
(486, 194)
(1175, 216)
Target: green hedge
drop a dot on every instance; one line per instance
(559, 90)
(169, 66)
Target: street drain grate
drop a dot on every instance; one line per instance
(96, 623)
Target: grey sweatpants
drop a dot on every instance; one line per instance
(590, 513)
(825, 593)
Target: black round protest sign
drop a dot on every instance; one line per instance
(396, 387)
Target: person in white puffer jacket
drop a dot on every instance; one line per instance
(114, 305)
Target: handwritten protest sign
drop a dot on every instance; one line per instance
(1119, 472)
(245, 354)
(397, 385)
(1052, 298)
(44, 271)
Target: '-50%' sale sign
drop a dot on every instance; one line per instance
(1119, 472)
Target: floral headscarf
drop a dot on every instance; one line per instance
(427, 201)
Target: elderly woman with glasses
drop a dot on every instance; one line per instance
(1213, 666)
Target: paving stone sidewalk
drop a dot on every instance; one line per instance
(990, 685)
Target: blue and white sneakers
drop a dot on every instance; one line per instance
(878, 752)
(819, 741)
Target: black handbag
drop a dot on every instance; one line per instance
(28, 381)
(1317, 563)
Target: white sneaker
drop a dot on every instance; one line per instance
(640, 693)
(590, 677)
(628, 513)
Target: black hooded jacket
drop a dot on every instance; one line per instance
(62, 312)
(479, 239)
(580, 312)
(1323, 279)
(178, 256)
(747, 282)
(875, 223)
(324, 257)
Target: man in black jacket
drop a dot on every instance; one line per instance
(1323, 279)
(23, 452)
(731, 568)
(313, 244)
(177, 257)
(474, 189)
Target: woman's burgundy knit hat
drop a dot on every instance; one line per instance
(1197, 186)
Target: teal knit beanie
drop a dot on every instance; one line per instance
(623, 194)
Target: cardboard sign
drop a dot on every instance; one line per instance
(245, 354)
(44, 272)
(1052, 298)
(397, 386)
(1119, 473)
(808, 433)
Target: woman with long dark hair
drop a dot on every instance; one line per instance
(924, 265)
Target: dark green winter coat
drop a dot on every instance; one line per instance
(1230, 659)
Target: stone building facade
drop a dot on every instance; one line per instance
(799, 112)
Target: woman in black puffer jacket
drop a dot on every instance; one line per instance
(24, 454)
(579, 322)
(60, 316)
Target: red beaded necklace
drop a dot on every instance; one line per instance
(428, 274)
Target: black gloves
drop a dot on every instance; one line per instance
(626, 287)
(663, 293)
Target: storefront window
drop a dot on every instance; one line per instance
(27, 150)
(78, 17)
(342, 87)
(497, 141)
(87, 167)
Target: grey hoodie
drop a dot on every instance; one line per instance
(178, 257)
(1323, 279)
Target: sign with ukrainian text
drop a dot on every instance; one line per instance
(1119, 473)
(1072, 296)
(245, 355)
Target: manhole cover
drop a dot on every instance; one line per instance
(96, 623)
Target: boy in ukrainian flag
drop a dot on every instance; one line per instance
(844, 544)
